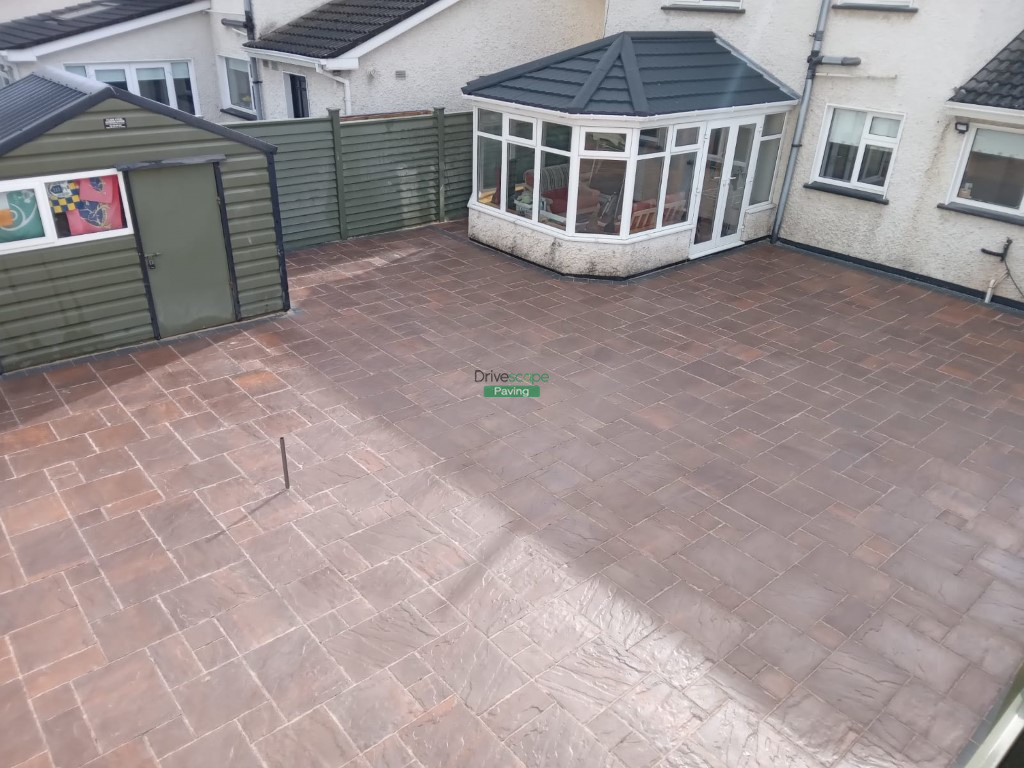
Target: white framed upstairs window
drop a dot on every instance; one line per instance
(857, 149)
(990, 175)
(235, 84)
(168, 82)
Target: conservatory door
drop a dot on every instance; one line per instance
(725, 187)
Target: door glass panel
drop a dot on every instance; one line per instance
(737, 181)
(707, 209)
(153, 83)
(114, 77)
(646, 193)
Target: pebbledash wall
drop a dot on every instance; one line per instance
(912, 63)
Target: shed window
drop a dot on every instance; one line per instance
(169, 82)
(992, 175)
(61, 209)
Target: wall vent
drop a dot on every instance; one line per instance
(400, 74)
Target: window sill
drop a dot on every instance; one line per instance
(702, 8)
(871, 197)
(240, 114)
(1006, 218)
(884, 8)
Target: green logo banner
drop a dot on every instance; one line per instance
(509, 390)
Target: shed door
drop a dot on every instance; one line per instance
(177, 214)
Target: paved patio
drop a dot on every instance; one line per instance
(768, 511)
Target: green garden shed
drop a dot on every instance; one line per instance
(123, 220)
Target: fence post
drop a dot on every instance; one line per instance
(442, 169)
(334, 115)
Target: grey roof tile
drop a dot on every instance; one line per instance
(338, 26)
(76, 19)
(637, 73)
(1000, 83)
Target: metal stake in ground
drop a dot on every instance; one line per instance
(284, 465)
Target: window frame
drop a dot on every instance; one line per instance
(759, 140)
(865, 138)
(289, 88)
(131, 76)
(50, 238)
(225, 88)
(576, 155)
(961, 167)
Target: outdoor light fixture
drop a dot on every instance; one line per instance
(962, 126)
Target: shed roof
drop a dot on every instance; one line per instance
(76, 19)
(1000, 83)
(48, 97)
(338, 26)
(637, 73)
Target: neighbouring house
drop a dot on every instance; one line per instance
(912, 157)
(123, 220)
(374, 56)
(302, 56)
(158, 49)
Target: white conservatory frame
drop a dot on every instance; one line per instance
(631, 126)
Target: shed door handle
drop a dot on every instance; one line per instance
(150, 259)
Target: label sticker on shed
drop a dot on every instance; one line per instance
(115, 122)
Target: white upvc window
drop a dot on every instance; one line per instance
(65, 208)
(168, 82)
(857, 148)
(589, 181)
(765, 170)
(990, 174)
(235, 84)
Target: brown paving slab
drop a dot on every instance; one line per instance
(124, 699)
(766, 512)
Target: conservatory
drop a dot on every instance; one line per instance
(626, 154)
